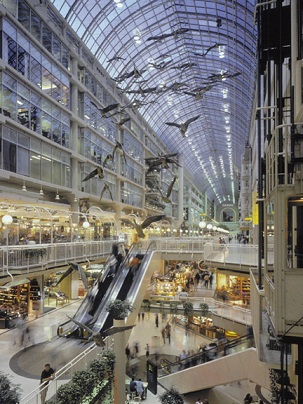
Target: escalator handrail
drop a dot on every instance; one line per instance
(190, 360)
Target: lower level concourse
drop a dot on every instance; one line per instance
(24, 354)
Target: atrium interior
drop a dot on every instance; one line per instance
(144, 143)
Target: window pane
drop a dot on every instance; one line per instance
(24, 14)
(23, 161)
(35, 26)
(9, 156)
(46, 38)
(35, 165)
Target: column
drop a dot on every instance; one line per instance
(119, 349)
(180, 194)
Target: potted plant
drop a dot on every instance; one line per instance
(188, 308)
(204, 309)
(173, 306)
(146, 304)
(119, 309)
(171, 396)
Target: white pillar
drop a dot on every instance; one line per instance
(181, 190)
(119, 349)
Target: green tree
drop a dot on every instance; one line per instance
(204, 309)
(9, 393)
(171, 396)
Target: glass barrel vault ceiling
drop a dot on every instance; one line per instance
(195, 58)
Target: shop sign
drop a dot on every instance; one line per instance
(152, 376)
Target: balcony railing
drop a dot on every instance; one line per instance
(27, 258)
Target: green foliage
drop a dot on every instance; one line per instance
(69, 393)
(146, 304)
(188, 308)
(204, 309)
(9, 393)
(87, 380)
(275, 395)
(119, 309)
(110, 360)
(171, 396)
(173, 307)
(98, 367)
(35, 253)
(89, 385)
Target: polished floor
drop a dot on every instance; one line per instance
(24, 363)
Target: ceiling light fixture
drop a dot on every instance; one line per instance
(24, 187)
(57, 198)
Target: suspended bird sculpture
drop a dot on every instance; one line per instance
(142, 91)
(140, 227)
(98, 171)
(119, 147)
(159, 66)
(216, 45)
(175, 34)
(108, 158)
(114, 59)
(107, 109)
(165, 198)
(105, 188)
(98, 337)
(183, 126)
(160, 162)
(177, 86)
(73, 266)
(184, 66)
(136, 73)
(222, 76)
(122, 122)
(198, 93)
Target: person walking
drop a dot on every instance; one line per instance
(248, 399)
(206, 280)
(157, 320)
(163, 334)
(147, 350)
(47, 374)
(168, 331)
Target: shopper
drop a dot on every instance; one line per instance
(157, 320)
(206, 280)
(47, 374)
(197, 280)
(133, 387)
(248, 399)
(163, 334)
(147, 350)
(183, 295)
(140, 388)
(127, 352)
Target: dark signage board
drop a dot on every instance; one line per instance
(152, 376)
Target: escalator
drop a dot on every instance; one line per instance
(115, 282)
(219, 365)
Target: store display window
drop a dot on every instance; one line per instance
(13, 304)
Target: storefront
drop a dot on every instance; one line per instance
(17, 300)
(71, 287)
(233, 288)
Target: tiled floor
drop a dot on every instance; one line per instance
(43, 331)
